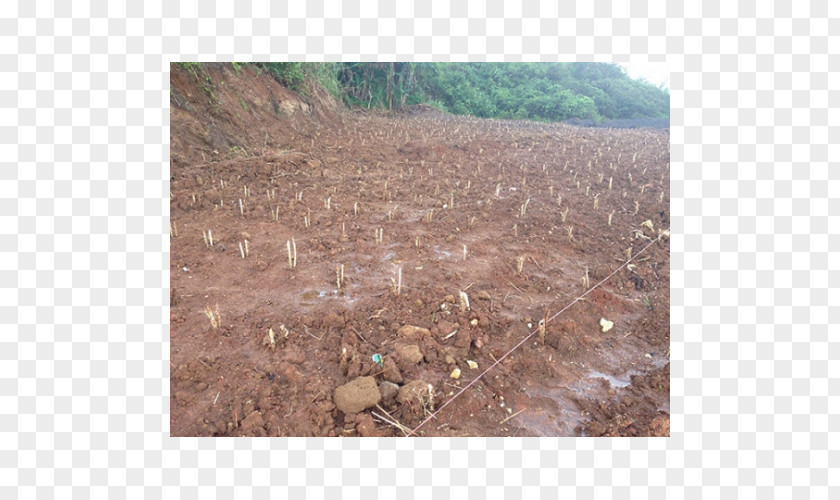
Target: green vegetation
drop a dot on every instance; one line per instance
(199, 74)
(193, 68)
(593, 92)
(534, 91)
(302, 76)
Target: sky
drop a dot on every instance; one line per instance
(655, 73)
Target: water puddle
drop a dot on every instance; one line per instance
(551, 412)
(311, 297)
(615, 382)
(442, 253)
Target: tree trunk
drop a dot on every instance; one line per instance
(390, 86)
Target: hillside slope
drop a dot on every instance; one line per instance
(222, 111)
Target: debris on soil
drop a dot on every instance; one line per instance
(418, 395)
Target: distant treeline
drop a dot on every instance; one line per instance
(534, 91)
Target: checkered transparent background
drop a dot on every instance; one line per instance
(84, 127)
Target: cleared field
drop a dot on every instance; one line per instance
(474, 232)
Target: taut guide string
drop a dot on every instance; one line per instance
(558, 313)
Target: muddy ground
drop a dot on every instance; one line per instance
(519, 216)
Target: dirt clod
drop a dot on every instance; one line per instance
(412, 332)
(253, 425)
(391, 373)
(366, 427)
(356, 396)
(410, 353)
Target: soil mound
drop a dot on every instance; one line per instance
(223, 111)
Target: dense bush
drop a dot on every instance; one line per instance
(534, 91)
(299, 76)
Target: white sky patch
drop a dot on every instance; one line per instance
(655, 73)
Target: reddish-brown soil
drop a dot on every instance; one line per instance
(434, 184)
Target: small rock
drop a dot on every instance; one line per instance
(472, 364)
(449, 298)
(358, 395)
(389, 391)
(456, 374)
(483, 295)
(449, 359)
(410, 353)
(606, 325)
